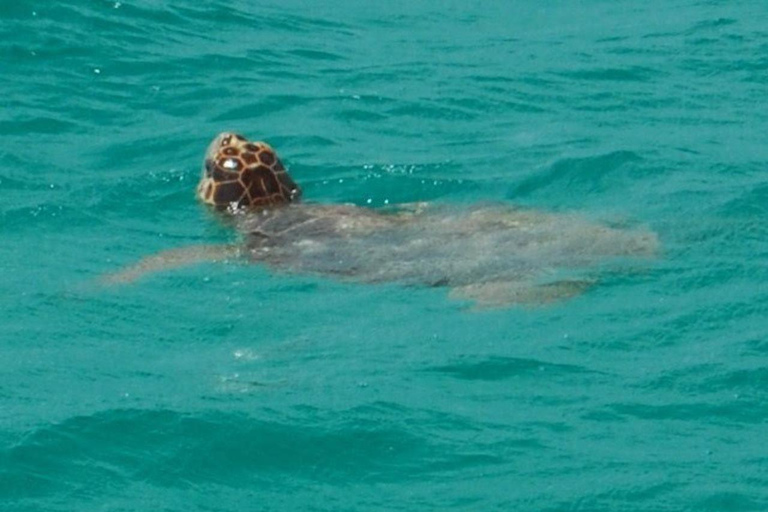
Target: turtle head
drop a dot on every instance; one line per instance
(238, 173)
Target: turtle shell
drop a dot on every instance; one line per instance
(240, 174)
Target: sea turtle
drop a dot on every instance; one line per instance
(494, 255)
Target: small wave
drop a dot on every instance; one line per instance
(263, 107)
(38, 125)
(714, 24)
(316, 55)
(720, 413)
(630, 74)
(170, 449)
(728, 500)
(502, 368)
(580, 177)
(751, 204)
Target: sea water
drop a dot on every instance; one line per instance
(232, 387)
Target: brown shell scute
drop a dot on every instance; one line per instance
(267, 157)
(219, 174)
(246, 174)
(228, 192)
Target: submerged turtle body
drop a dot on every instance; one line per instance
(493, 254)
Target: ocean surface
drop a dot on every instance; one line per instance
(231, 387)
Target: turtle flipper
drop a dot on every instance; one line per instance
(503, 294)
(172, 259)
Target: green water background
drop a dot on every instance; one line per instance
(228, 387)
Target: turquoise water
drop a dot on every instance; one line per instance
(230, 387)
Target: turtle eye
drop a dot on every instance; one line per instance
(230, 163)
